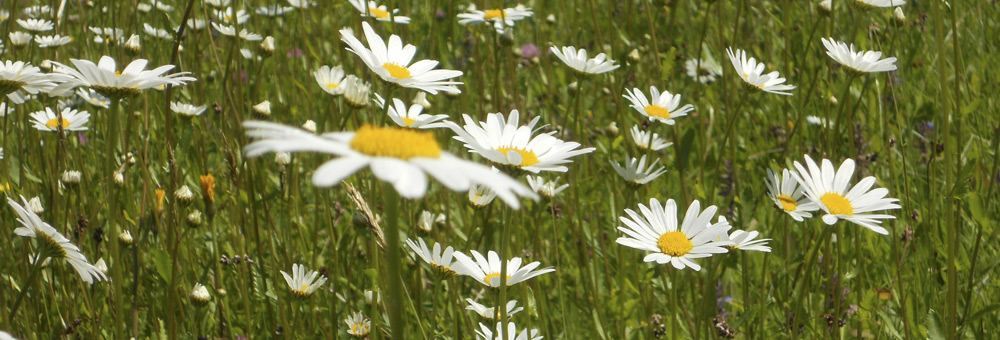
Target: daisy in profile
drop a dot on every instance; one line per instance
(301, 4)
(491, 313)
(72, 120)
(442, 261)
(486, 269)
(635, 171)
(392, 62)
(199, 294)
(577, 60)
(647, 140)
(745, 240)
(108, 35)
(52, 40)
(93, 98)
(831, 190)
(230, 31)
(357, 325)
(505, 143)
(105, 78)
(663, 107)
(17, 77)
(872, 4)
(548, 189)
(273, 10)
(858, 62)
(703, 70)
(481, 196)
(36, 25)
(412, 116)
(157, 32)
(229, 17)
(752, 74)
(657, 232)
(819, 121)
(52, 244)
(784, 190)
(501, 18)
(302, 284)
(18, 39)
(380, 13)
(330, 79)
(402, 157)
(357, 92)
(187, 110)
(488, 332)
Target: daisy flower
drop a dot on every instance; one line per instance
(392, 62)
(31, 12)
(577, 60)
(108, 35)
(491, 313)
(486, 269)
(106, 79)
(94, 98)
(831, 190)
(647, 140)
(330, 79)
(17, 76)
(427, 220)
(303, 4)
(744, 240)
(52, 40)
(356, 91)
(72, 120)
(187, 110)
(228, 16)
(751, 73)
(871, 4)
(156, 32)
(818, 121)
(20, 38)
(481, 196)
(501, 18)
(505, 143)
(357, 325)
(663, 107)
(412, 116)
(231, 32)
(784, 190)
(303, 285)
(273, 10)
(548, 189)
(218, 3)
(858, 62)
(36, 25)
(485, 332)
(52, 243)
(656, 231)
(635, 171)
(200, 294)
(399, 156)
(703, 70)
(380, 13)
(442, 261)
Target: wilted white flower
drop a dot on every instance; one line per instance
(35, 205)
(427, 220)
(184, 194)
(263, 108)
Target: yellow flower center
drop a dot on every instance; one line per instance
(494, 14)
(304, 287)
(378, 13)
(395, 142)
(330, 86)
(656, 111)
(674, 243)
(788, 203)
(118, 74)
(837, 204)
(491, 276)
(54, 122)
(528, 158)
(396, 71)
(408, 121)
(359, 329)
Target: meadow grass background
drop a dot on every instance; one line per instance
(928, 132)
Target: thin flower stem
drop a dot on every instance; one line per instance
(393, 267)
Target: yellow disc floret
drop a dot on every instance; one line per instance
(379, 13)
(674, 243)
(396, 71)
(494, 14)
(788, 203)
(395, 142)
(656, 111)
(528, 158)
(54, 122)
(837, 204)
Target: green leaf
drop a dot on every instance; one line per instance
(934, 329)
(162, 263)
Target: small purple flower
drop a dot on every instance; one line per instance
(82, 138)
(242, 76)
(439, 14)
(294, 53)
(529, 51)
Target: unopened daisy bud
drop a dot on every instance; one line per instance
(125, 238)
(634, 55)
(184, 194)
(264, 108)
(826, 6)
(200, 295)
(45, 64)
(356, 91)
(370, 297)
(101, 266)
(133, 45)
(35, 205)
(833, 100)
(282, 158)
(208, 187)
(267, 46)
(71, 177)
(573, 86)
(194, 218)
(221, 291)
(612, 128)
(310, 126)
(119, 178)
(898, 17)
(551, 18)
(421, 99)
(160, 198)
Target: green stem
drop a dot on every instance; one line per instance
(395, 289)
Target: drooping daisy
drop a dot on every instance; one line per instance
(752, 74)
(380, 13)
(17, 76)
(230, 31)
(156, 32)
(356, 91)
(577, 60)
(20, 38)
(94, 98)
(871, 4)
(663, 107)
(486, 269)
(442, 261)
(392, 62)
(703, 70)
(548, 189)
(72, 120)
(647, 140)
(187, 110)
(396, 155)
(505, 143)
(488, 332)
(36, 25)
(858, 62)
(657, 231)
(357, 325)
(107, 80)
(330, 79)
(831, 190)
(52, 244)
(491, 313)
(635, 171)
(787, 195)
(501, 18)
(481, 196)
(302, 284)
(412, 116)
(52, 40)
